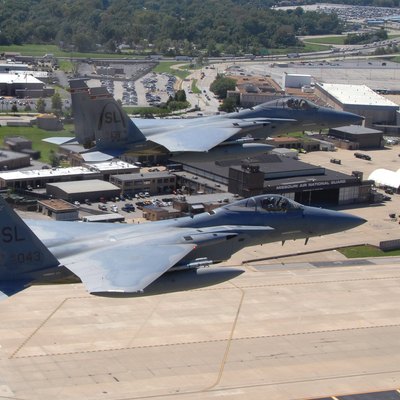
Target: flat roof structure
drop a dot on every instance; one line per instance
(46, 173)
(11, 160)
(114, 165)
(356, 95)
(57, 205)
(272, 165)
(87, 186)
(19, 78)
(357, 130)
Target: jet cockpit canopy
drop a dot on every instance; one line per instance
(267, 202)
(292, 103)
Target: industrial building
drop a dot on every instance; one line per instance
(21, 145)
(13, 67)
(361, 100)
(60, 210)
(23, 85)
(17, 143)
(153, 182)
(357, 137)
(93, 190)
(40, 177)
(296, 81)
(305, 183)
(12, 160)
(255, 90)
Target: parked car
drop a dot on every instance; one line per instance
(128, 207)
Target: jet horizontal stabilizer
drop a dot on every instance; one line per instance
(61, 140)
(99, 156)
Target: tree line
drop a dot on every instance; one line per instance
(169, 27)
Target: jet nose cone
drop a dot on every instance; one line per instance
(346, 118)
(329, 221)
(344, 221)
(353, 119)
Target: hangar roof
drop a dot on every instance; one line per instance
(360, 95)
(385, 177)
(356, 130)
(276, 169)
(92, 185)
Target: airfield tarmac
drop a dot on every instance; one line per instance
(278, 331)
(302, 322)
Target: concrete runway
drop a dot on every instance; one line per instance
(279, 331)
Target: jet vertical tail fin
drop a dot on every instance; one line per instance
(23, 257)
(80, 102)
(100, 119)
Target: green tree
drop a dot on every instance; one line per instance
(53, 158)
(56, 103)
(41, 106)
(228, 105)
(221, 85)
(180, 95)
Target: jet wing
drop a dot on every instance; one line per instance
(204, 135)
(125, 268)
(194, 138)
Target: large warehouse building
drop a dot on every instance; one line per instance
(305, 183)
(361, 100)
(23, 85)
(92, 189)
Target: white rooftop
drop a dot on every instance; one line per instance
(44, 173)
(18, 78)
(87, 186)
(110, 165)
(356, 95)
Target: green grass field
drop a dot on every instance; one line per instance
(334, 40)
(327, 40)
(166, 67)
(194, 87)
(367, 251)
(36, 135)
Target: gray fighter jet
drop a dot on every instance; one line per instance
(128, 259)
(100, 121)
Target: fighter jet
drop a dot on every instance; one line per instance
(131, 260)
(100, 122)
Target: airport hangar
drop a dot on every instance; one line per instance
(361, 100)
(305, 183)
